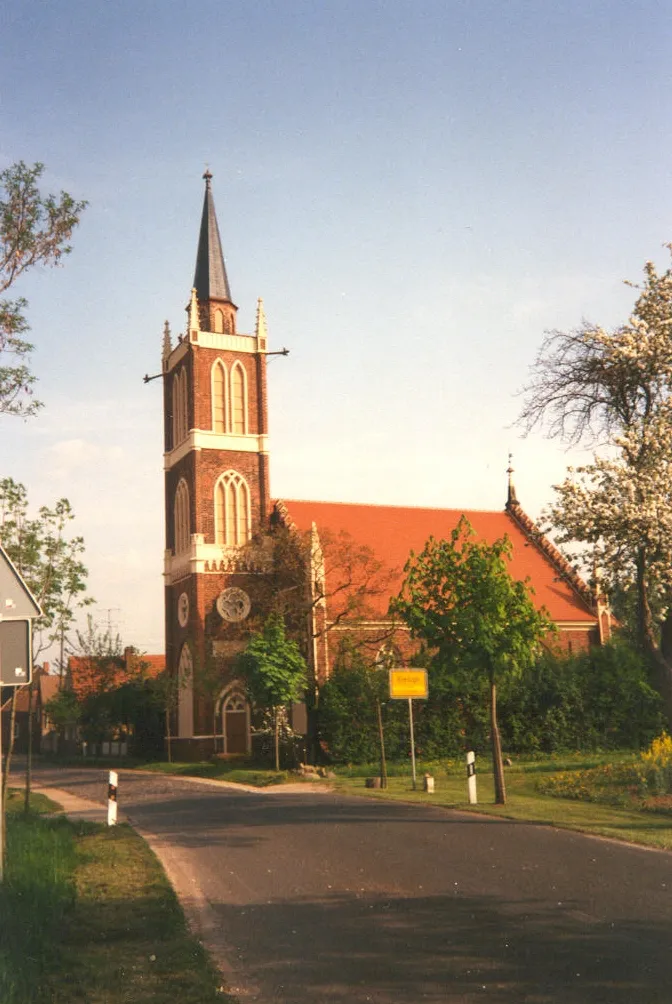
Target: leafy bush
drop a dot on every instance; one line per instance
(657, 765)
(609, 784)
(600, 699)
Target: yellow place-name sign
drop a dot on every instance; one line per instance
(405, 683)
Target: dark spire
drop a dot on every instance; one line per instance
(210, 279)
(511, 499)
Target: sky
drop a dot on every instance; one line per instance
(418, 189)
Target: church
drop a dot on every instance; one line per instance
(220, 560)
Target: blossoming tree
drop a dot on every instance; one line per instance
(614, 389)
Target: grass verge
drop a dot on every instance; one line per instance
(87, 915)
(524, 800)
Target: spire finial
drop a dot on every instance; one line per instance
(511, 497)
(261, 331)
(194, 320)
(207, 177)
(167, 344)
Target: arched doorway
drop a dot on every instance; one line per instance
(235, 721)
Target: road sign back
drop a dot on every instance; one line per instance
(16, 601)
(15, 653)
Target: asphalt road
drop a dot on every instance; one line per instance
(318, 898)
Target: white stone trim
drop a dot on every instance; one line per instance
(225, 343)
(213, 559)
(576, 625)
(203, 439)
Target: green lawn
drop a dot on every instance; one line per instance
(87, 915)
(524, 801)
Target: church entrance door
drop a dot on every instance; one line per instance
(235, 723)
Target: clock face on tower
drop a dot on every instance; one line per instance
(233, 604)
(183, 609)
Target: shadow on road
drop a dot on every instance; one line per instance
(447, 949)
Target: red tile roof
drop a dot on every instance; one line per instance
(86, 675)
(393, 531)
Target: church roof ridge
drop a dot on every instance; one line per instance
(210, 278)
(390, 505)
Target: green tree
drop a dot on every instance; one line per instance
(49, 560)
(350, 702)
(35, 229)
(64, 710)
(459, 598)
(614, 388)
(50, 563)
(274, 671)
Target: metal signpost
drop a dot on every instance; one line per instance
(407, 684)
(18, 608)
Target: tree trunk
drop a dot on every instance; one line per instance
(661, 657)
(276, 724)
(169, 738)
(10, 749)
(29, 758)
(497, 762)
(381, 735)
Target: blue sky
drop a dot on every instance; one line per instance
(417, 189)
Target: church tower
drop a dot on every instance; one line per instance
(217, 501)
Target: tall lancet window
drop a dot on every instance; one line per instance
(180, 422)
(181, 517)
(233, 523)
(219, 397)
(185, 701)
(219, 322)
(238, 400)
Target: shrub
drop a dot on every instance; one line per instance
(657, 764)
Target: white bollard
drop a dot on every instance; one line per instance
(471, 777)
(112, 799)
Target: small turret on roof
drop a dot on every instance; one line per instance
(511, 496)
(210, 279)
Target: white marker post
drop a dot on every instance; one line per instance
(471, 777)
(112, 799)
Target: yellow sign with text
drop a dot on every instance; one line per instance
(405, 683)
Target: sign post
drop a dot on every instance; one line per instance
(18, 607)
(407, 684)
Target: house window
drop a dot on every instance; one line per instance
(181, 517)
(238, 400)
(219, 397)
(232, 510)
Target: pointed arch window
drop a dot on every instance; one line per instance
(220, 397)
(185, 705)
(180, 422)
(238, 400)
(219, 321)
(233, 524)
(181, 517)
